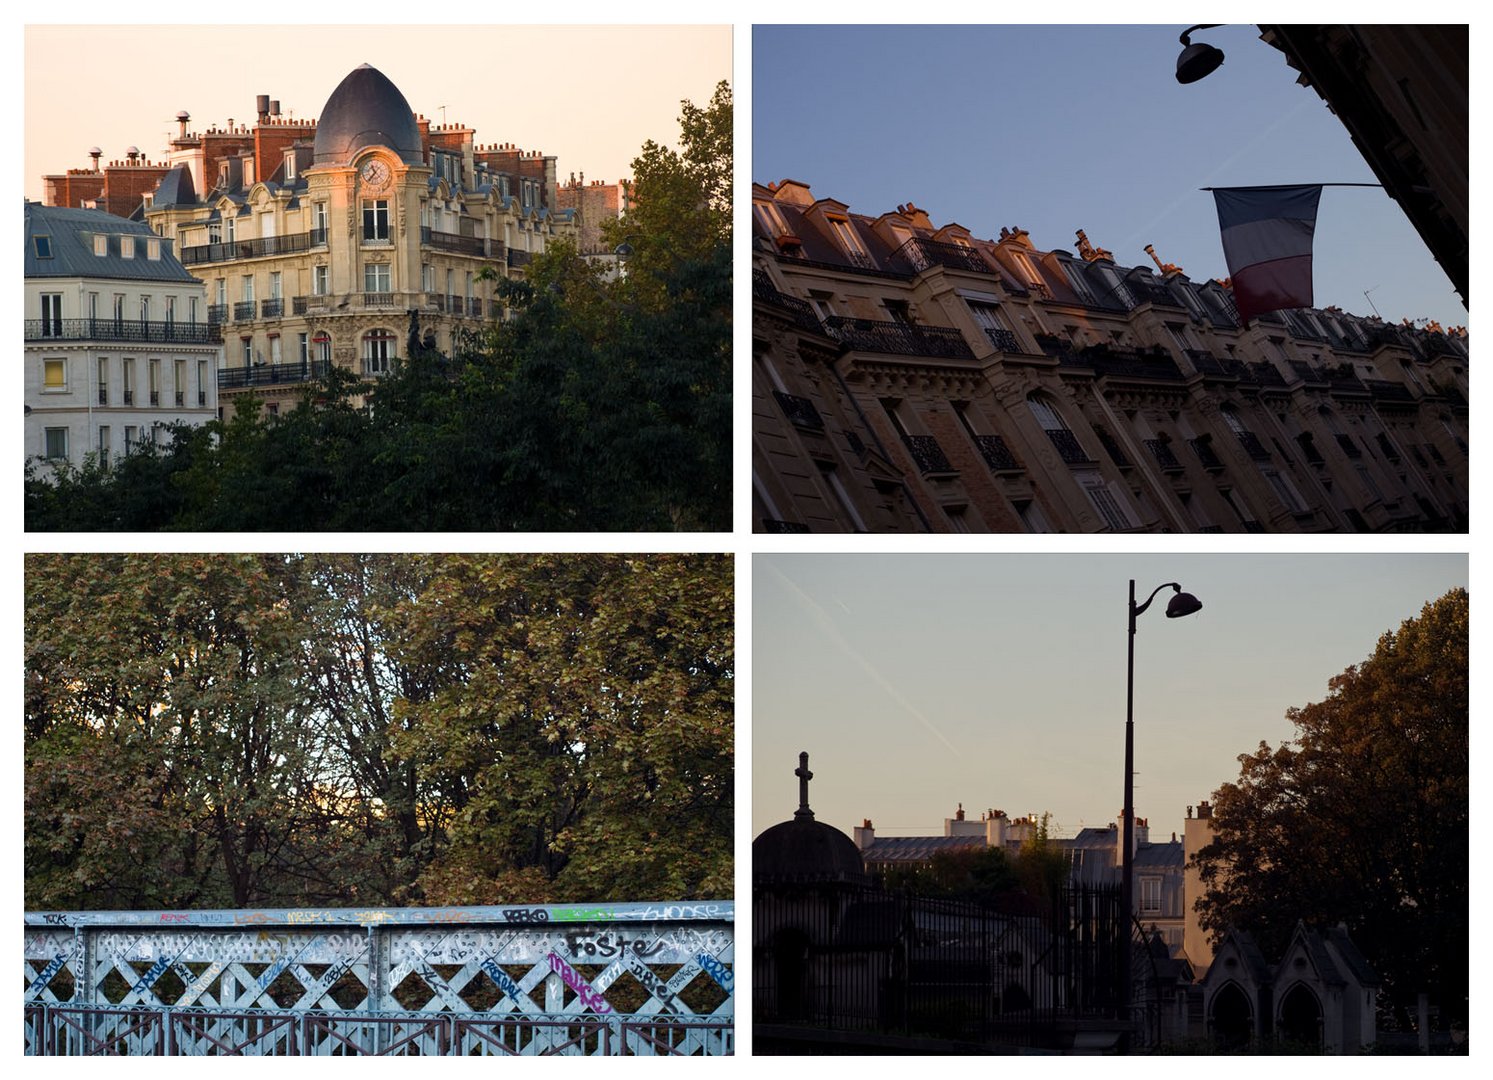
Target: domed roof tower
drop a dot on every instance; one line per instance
(366, 109)
(802, 849)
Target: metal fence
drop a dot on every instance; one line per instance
(606, 979)
(869, 960)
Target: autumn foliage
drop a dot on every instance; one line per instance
(210, 731)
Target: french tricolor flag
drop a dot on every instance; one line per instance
(1267, 243)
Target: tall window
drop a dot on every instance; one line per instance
(375, 219)
(323, 343)
(51, 314)
(318, 281)
(275, 286)
(179, 385)
(319, 221)
(248, 288)
(201, 382)
(103, 446)
(376, 278)
(378, 352)
(129, 380)
(170, 311)
(103, 380)
(155, 382)
(56, 443)
(304, 354)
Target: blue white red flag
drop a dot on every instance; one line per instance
(1267, 243)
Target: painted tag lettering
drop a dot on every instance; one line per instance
(583, 990)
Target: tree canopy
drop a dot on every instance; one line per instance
(225, 731)
(1362, 818)
(601, 401)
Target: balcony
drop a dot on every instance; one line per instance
(155, 398)
(799, 311)
(1162, 452)
(518, 258)
(1147, 290)
(243, 311)
(996, 453)
(462, 245)
(103, 395)
(1205, 363)
(253, 249)
(271, 309)
(1205, 453)
(1002, 339)
(898, 338)
(1153, 362)
(920, 254)
(129, 397)
(217, 314)
(474, 307)
(799, 411)
(1384, 390)
(1252, 446)
(1264, 374)
(181, 398)
(1112, 448)
(380, 300)
(927, 454)
(162, 333)
(267, 375)
(1067, 446)
(298, 305)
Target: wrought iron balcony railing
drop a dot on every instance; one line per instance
(927, 454)
(269, 375)
(802, 314)
(921, 253)
(1349, 447)
(1252, 446)
(217, 314)
(128, 330)
(1002, 339)
(1153, 362)
(800, 411)
(1146, 290)
(996, 453)
(271, 309)
(298, 305)
(1205, 453)
(1164, 456)
(518, 258)
(1112, 448)
(1068, 447)
(254, 249)
(1385, 390)
(886, 336)
(243, 310)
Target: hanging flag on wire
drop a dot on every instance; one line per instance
(1267, 243)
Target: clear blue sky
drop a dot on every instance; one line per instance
(916, 682)
(1060, 128)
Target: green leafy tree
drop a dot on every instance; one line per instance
(587, 740)
(1362, 818)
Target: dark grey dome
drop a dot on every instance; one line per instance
(803, 849)
(366, 109)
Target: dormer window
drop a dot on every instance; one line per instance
(849, 241)
(126, 247)
(101, 245)
(289, 165)
(153, 249)
(42, 245)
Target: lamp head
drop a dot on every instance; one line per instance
(624, 250)
(1197, 60)
(1184, 603)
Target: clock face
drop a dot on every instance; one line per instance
(375, 174)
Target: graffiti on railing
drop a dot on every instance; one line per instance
(583, 990)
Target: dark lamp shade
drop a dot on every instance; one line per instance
(1197, 61)
(1184, 603)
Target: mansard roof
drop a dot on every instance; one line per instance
(70, 234)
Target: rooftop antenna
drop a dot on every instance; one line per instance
(1371, 302)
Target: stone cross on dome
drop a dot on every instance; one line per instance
(804, 776)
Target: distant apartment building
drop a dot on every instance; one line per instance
(320, 241)
(1094, 856)
(594, 204)
(909, 377)
(118, 344)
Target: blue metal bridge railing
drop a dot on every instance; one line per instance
(597, 979)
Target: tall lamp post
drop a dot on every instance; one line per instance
(1180, 604)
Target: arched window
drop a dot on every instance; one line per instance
(378, 352)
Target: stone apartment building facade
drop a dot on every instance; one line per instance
(915, 378)
(317, 240)
(118, 345)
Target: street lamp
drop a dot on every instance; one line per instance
(1180, 604)
(1200, 60)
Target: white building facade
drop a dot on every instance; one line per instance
(117, 342)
